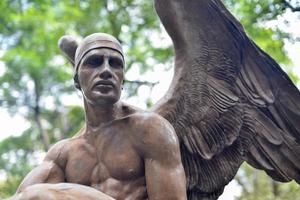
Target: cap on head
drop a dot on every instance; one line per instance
(96, 41)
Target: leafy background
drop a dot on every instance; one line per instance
(36, 81)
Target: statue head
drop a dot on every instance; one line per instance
(98, 63)
(96, 41)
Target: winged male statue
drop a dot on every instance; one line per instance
(228, 102)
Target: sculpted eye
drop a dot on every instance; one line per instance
(115, 63)
(94, 61)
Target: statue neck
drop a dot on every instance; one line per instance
(99, 115)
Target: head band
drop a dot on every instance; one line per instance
(96, 41)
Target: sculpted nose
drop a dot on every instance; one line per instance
(105, 74)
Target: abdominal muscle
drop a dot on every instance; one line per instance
(127, 190)
(118, 182)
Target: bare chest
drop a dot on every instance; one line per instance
(109, 158)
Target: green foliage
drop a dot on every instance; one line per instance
(15, 161)
(18, 155)
(254, 15)
(256, 185)
(75, 119)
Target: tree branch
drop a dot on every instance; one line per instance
(290, 6)
(132, 86)
(141, 83)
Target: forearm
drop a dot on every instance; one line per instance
(47, 172)
(60, 191)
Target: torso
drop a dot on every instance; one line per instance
(106, 159)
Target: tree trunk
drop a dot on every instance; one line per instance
(45, 137)
(275, 189)
(37, 117)
(64, 124)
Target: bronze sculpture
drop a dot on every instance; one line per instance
(228, 102)
(122, 151)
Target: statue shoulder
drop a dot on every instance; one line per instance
(148, 129)
(151, 121)
(59, 151)
(154, 132)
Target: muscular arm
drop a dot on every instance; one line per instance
(49, 171)
(165, 177)
(47, 181)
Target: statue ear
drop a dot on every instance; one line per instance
(68, 46)
(76, 82)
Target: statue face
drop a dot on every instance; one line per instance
(100, 76)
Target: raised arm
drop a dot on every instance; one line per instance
(49, 171)
(165, 177)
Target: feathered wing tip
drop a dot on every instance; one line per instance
(68, 45)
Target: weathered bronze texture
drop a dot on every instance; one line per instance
(229, 102)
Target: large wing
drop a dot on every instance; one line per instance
(228, 100)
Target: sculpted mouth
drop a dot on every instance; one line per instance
(104, 83)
